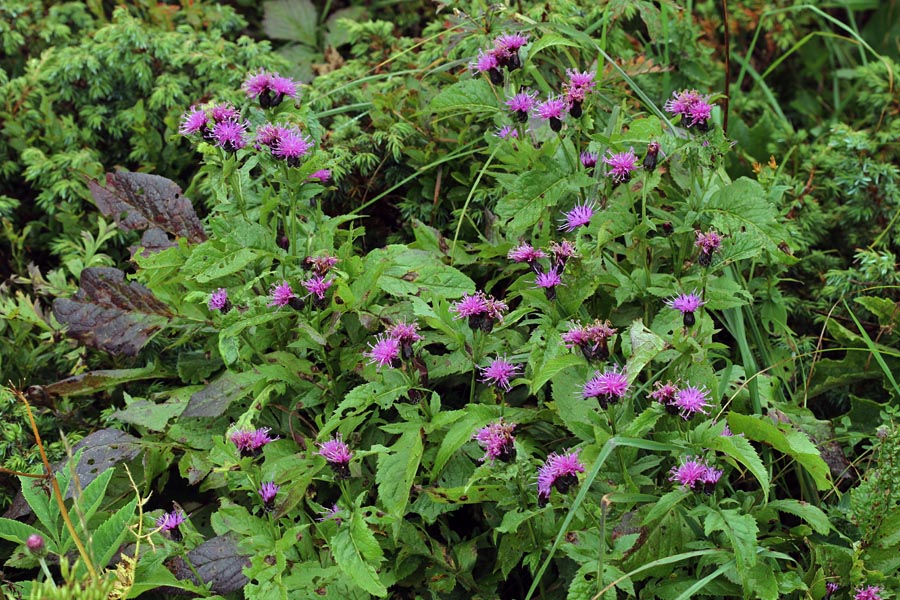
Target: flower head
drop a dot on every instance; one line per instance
(250, 441)
(507, 131)
(35, 544)
(169, 522)
(691, 471)
(562, 252)
(498, 373)
(470, 305)
(870, 592)
(338, 455)
(589, 159)
(621, 165)
(548, 280)
(291, 146)
(270, 88)
(525, 253)
(193, 121)
(321, 264)
(322, 176)
(268, 135)
(575, 336)
(664, 394)
(317, 286)
(267, 492)
(559, 471)
(480, 310)
(282, 294)
(691, 400)
(521, 104)
(224, 112)
(218, 300)
(708, 242)
(384, 351)
(406, 333)
(486, 61)
(580, 79)
(581, 214)
(710, 479)
(686, 303)
(608, 387)
(229, 135)
(553, 109)
(510, 42)
(497, 441)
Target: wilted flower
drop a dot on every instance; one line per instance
(580, 214)
(607, 387)
(708, 243)
(621, 165)
(218, 300)
(270, 88)
(249, 442)
(384, 351)
(561, 252)
(691, 400)
(652, 155)
(592, 340)
(521, 104)
(687, 304)
(321, 264)
(331, 514)
(338, 455)
(267, 492)
(553, 110)
(498, 373)
(560, 471)
(497, 441)
(665, 395)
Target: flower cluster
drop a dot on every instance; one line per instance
(270, 88)
(687, 305)
(338, 455)
(694, 109)
(396, 341)
(608, 387)
(481, 310)
(284, 142)
(547, 280)
(504, 54)
(497, 441)
(694, 473)
(560, 472)
(870, 592)
(686, 401)
(576, 89)
(249, 442)
(498, 373)
(220, 123)
(592, 340)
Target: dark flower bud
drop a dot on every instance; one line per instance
(652, 156)
(35, 544)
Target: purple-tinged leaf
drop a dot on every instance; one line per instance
(218, 563)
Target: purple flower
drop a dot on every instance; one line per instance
(322, 176)
(229, 135)
(169, 522)
(686, 304)
(553, 110)
(710, 479)
(708, 243)
(497, 441)
(480, 310)
(575, 336)
(548, 281)
(589, 159)
(224, 112)
(282, 294)
(331, 514)
(35, 544)
(691, 471)
(691, 400)
(384, 351)
(578, 79)
(560, 472)
(830, 588)
(317, 286)
(193, 121)
(291, 146)
(871, 592)
(525, 253)
(592, 340)
(495, 308)
(338, 455)
(498, 373)
(268, 135)
(621, 165)
(218, 300)
(694, 109)
(607, 387)
(321, 264)
(580, 214)
(521, 104)
(406, 333)
(250, 441)
(270, 88)
(665, 394)
(470, 305)
(267, 492)
(507, 131)
(506, 50)
(487, 62)
(576, 89)
(562, 252)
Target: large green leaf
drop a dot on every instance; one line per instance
(468, 96)
(739, 449)
(741, 530)
(476, 416)
(355, 549)
(107, 538)
(810, 513)
(397, 471)
(15, 531)
(536, 192)
(645, 346)
(412, 272)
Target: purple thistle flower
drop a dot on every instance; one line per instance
(694, 109)
(291, 146)
(485, 62)
(270, 88)
(250, 441)
(580, 79)
(268, 135)
(507, 131)
(830, 588)
(338, 455)
(322, 176)
(480, 310)
(691, 471)
(691, 400)
(575, 336)
(497, 441)
(708, 243)
(589, 159)
(35, 544)
(218, 300)
(560, 471)
(710, 479)
(687, 304)
(498, 373)
(470, 305)
(521, 104)
(406, 333)
(169, 522)
(267, 492)
(193, 121)
(525, 253)
(622, 164)
(548, 281)
(510, 42)
(665, 394)
(871, 592)
(229, 135)
(580, 214)
(681, 102)
(607, 387)
(321, 264)
(384, 351)
(282, 294)
(317, 285)
(698, 115)
(553, 110)
(224, 112)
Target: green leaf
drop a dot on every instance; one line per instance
(793, 443)
(414, 272)
(40, 503)
(476, 416)
(467, 96)
(536, 192)
(107, 538)
(397, 471)
(645, 346)
(570, 406)
(14, 531)
(813, 515)
(355, 549)
(512, 520)
(741, 530)
(207, 262)
(91, 497)
(738, 448)
(151, 415)
(293, 20)
(665, 504)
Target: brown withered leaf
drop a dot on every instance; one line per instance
(217, 562)
(111, 314)
(148, 202)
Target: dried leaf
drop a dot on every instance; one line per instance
(92, 381)
(102, 449)
(218, 563)
(110, 314)
(143, 201)
(215, 398)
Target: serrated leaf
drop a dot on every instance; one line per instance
(571, 408)
(476, 416)
(414, 272)
(109, 314)
(795, 444)
(645, 346)
(469, 96)
(741, 530)
(738, 448)
(149, 414)
(397, 471)
(536, 192)
(355, 549)
(812, 514)
(293, 20)
(207, 262)
(110, 535)
(17, 532)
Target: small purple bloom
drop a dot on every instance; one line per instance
(270, 88)
(553, 110)
(485, 62)
(338, 455)
(218, 300)
(506, 132)
(580, 214)
(250, 441)
(291, 146)
(589, 159)
(497, 441)
(521, 104)
(607, 387)
(405, 333)
(470, 305)
(561, 252)
(548, 281)
(710, 479)
(224, 112)
(267, 492)
(708, 242)
(575, 336)
(268, 135)
(229, 135)
(871, 592)
(525, 253)
(664, 394)
(169, 522)
(317, 286)
(691, 471)
(193, 121)
(687, 304)
(691, 400)
(282, 294)
(510, 42)
(578, 79)
(560, 471)
(322, 176)
(830, 588)
(384, 351)
(498, 373)
(321, 264)
(621, 165)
